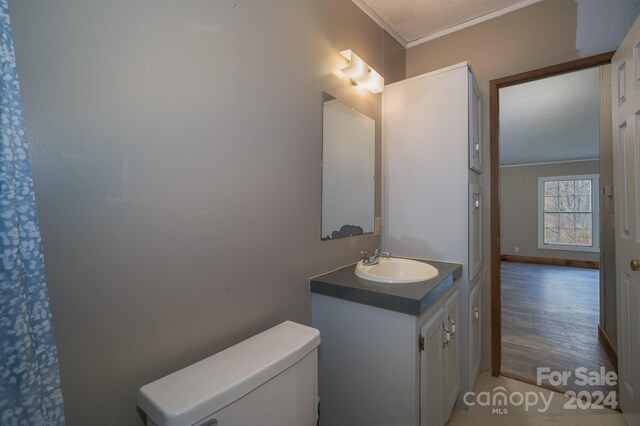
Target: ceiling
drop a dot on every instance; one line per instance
(550, 120)
(415, 21)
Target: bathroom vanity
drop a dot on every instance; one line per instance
(390, 351)
(405, 353)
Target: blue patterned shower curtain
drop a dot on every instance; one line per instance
(30, 391)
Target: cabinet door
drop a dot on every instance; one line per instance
(431, 389)
(475, 231)
(475, 130)
(451, 354)
(475, 327)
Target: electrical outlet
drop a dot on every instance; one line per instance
(516, 250)
(377, 226)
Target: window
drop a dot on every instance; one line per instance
(568, 213)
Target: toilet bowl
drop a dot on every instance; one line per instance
(270, 379)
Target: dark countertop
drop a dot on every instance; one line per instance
(407, 298)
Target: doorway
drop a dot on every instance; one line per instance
(550, 300)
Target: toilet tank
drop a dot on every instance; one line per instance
(270, 379)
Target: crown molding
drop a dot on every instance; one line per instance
(378, 20)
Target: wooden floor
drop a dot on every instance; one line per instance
(550, 317)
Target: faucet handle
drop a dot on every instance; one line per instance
(365, 255)
(380, 253)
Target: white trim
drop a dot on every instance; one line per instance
(378, 20)
(542, 163)
(595, 213)
(472, 22)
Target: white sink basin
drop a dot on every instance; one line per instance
(396, 270)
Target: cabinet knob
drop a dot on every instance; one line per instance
(635, 265)
(477, 147)
(476, 313)
(453, 327)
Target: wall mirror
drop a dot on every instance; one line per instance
(348, 170)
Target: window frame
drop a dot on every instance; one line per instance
(595, 213)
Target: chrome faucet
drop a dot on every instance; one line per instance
(375, 259)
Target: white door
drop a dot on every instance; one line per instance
(625, 71)
(451, 354)
(475, 328)
(475, 231)
(431, 382)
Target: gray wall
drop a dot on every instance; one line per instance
(176, 152)
(534, 37)
(519, 208)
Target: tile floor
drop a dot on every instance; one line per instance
(555, 415)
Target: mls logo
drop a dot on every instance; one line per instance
(500, 411)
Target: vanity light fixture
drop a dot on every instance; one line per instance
(361, 74)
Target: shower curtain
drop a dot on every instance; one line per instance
(30, 391)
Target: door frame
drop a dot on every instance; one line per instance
(494, 114)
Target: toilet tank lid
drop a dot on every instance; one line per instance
(195, 392)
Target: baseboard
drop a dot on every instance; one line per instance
(608, 347)
(550, 261)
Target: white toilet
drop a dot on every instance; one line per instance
(270, 379)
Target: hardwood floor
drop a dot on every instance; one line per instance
(550, 319)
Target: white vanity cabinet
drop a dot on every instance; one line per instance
(432, 392)
(439, 362)
(432, 198)
(381, 367)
